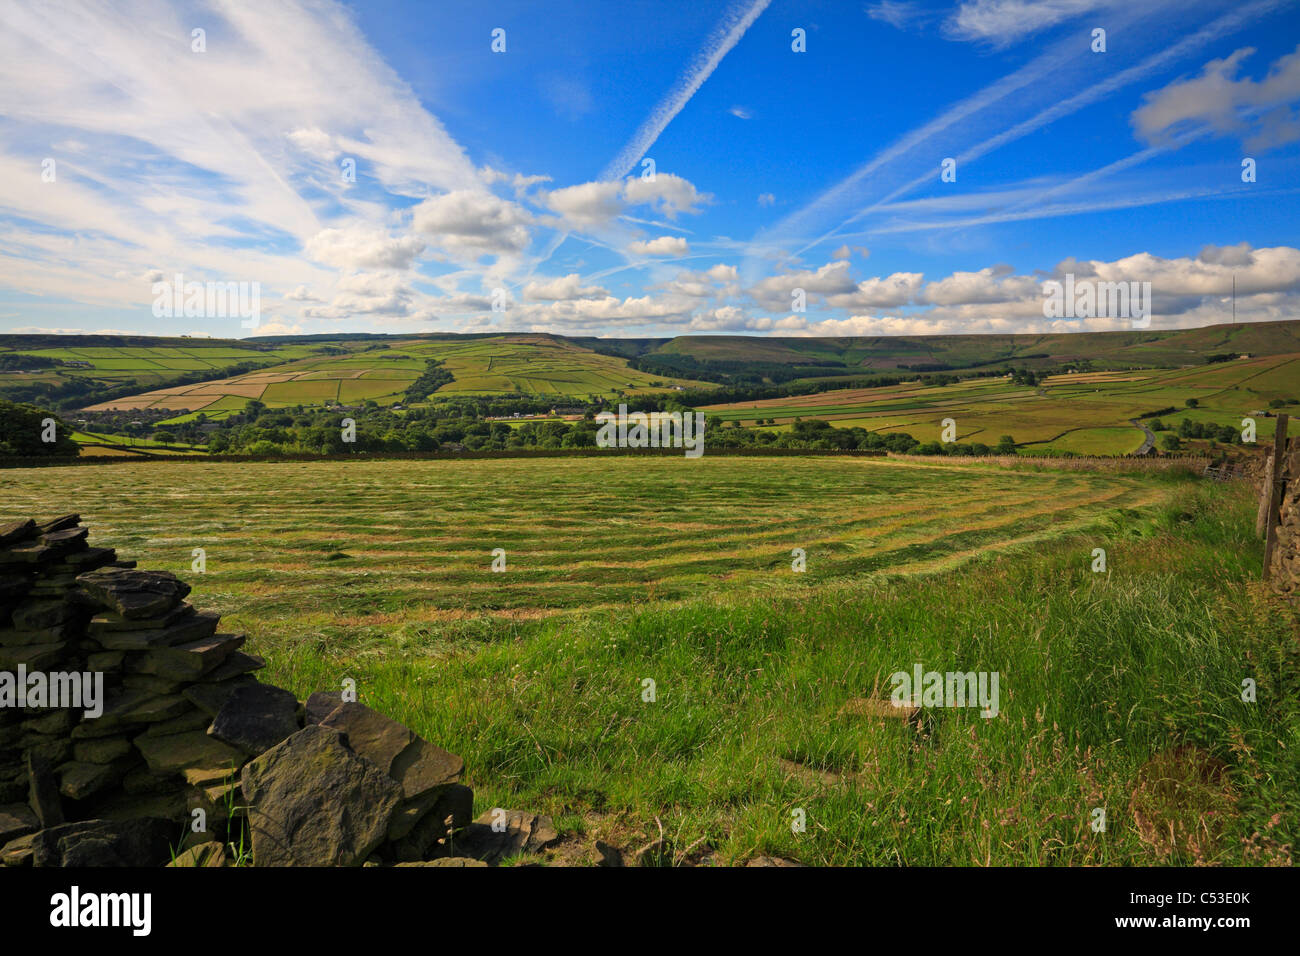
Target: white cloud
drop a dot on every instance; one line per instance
(176, 160)
(1257, 111)
(775, 292)
(473, 223)
(367, 294)
(363, 247)
(279, 326)
(666, 193)
(587, 204)
(896, 13)
(877, 293)
(662, 246)
(1003, 22)
(597, 204)
(564, 287)
(991, 284)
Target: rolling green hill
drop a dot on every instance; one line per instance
(184, 375)
(535, 365)
(1106, 350)
(1081, 412)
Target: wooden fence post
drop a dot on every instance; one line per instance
(1265, 498)
(1276, 488)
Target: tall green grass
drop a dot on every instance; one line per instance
(1098, 674)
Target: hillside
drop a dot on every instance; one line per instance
(1082, 412)
(536, 365)
(1104, 350)
(135, 373)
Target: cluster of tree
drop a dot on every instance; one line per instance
(146, 423)
(819, 434)
(431, 379)
(14, 362)
(259, 431)
(262, 431)
(25, 428)
(735, 371)
(1167, 410)
(1026, 376)
(1200, 430)
(758, 393)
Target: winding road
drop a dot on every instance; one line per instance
(1151, 437)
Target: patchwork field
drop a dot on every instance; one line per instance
(309, 381)
(529, 365)
(142, 364)
(623, 571)
(540, 365)
(1085, 412)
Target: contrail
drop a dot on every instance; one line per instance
(728, 33)
(1031, 73)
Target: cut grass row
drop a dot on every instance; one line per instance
(679, 573)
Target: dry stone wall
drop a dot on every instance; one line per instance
(133, 731)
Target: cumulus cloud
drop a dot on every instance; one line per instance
(714, 282)
(363, 247)
(665, 193)
(1257, 111)
(278, 325)
(367, 294)
(775, 292)
(878, 293)
(599, 203)
(1239, 255)
(473, 223)
(662, 246)
(588, 204)
(564, 287)
(991, 284)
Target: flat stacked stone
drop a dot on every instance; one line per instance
(160, 647)
(185, 725)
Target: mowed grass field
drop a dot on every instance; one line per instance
(1084, 412)
(1119, 690)
(499, 365)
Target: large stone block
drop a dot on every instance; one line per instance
(255, 718)
(313, 802)
(134, 594)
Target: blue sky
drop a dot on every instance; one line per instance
(516, 179)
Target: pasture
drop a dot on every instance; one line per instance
(499, 365)
(144, 364)
(1082, 412)
(620, 570)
